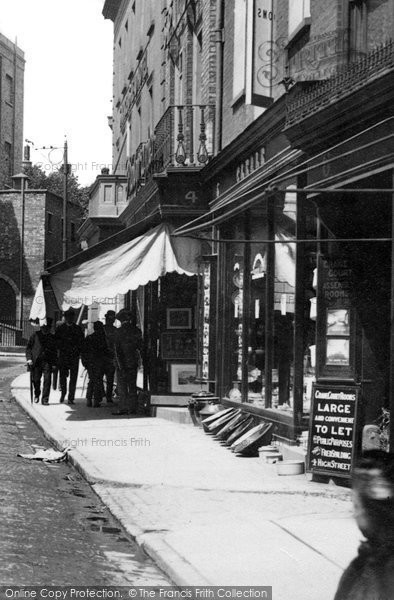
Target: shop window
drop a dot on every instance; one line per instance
(261, 309)
(299, 16)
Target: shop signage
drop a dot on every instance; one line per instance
(336, 276)
(332, 429)
(263, 53)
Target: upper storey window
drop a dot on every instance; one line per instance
(299, 15)
(9, 89)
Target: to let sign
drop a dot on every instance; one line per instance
(332, 430)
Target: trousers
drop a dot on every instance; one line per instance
(109, 372)
(42, 369)
(127, 388)
(68, 367)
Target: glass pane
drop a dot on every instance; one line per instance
(235, 275)
(284, 304)
(256, 315)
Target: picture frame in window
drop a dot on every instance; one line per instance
(183, 378)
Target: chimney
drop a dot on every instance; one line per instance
(26, 163)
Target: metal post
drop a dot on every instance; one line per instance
(65, 175)
(22, 252)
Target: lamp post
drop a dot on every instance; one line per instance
(65, 174)
(20, 181)
(66, 169)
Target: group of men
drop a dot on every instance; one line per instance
(108, 352)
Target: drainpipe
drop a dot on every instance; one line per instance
(219, 41)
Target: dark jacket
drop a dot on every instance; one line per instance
(370, 576)
(94, 349)
(128, 344)
(69, 339)
(110, 333)
(42, 347)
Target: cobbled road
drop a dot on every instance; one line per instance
(53, 528)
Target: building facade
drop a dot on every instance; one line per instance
(32, 219)
(296, 298)
(12, 66)
(263, 128)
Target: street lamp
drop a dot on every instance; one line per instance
(66, 170)
(20, 182)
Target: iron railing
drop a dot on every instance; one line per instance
(12, 335)
(182, 138)
(344, 83)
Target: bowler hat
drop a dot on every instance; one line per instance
(123, 315)
(110, 313)
(69, 311)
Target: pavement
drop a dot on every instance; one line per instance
(205, 515)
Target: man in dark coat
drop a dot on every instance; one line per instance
(370, 576)
(94, 354)
(41, 356)
(128, 345)
(109, 362)
(69, 339)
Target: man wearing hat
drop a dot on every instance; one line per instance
(109, 361)
(128, 345)
(41, 356)
(69, 338)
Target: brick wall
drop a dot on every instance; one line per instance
(10, 241)
(12, 66)
(39, 245)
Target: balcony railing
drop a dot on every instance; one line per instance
(182, 138)
(346, 82)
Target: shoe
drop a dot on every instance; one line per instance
(61, 399)
(110, 401)
(120, 412)
(44, 402)
(70, 401)
(36, 399)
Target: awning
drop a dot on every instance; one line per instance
(123, 268)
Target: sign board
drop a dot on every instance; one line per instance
(264, 53)
(332, 429)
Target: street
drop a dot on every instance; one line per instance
(54, 530)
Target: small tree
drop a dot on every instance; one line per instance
(54, 183)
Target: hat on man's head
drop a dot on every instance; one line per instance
(69, 311)
(97, 325)
(124, 315)
(110, 313)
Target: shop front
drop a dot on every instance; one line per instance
(155, 276)
(256, 329)
(301, 308)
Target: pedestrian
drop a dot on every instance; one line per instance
(371, 574)
(109, 363)
(128, 345)
(69, 339)
(94, 353)
(41, 356)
